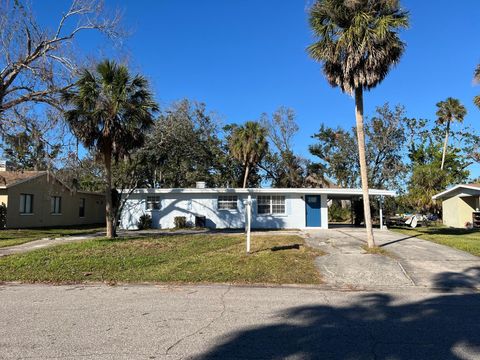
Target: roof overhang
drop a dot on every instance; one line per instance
(446, 193)
(313, 191)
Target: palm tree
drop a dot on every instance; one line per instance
(448, 111)
(358, 43)
(109, 113)
(248, 144)
(476, 77)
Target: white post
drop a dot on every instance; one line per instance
(381, 213)
(248, 222)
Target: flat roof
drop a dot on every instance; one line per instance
(443, 194)
(313, 191)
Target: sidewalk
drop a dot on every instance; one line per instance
(46, 242)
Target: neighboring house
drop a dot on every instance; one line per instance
(39, 199)
(225, 208)
(460, 205)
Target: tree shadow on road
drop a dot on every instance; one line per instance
(373, 326)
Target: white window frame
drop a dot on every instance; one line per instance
(56, 205)
(24, 210)
(153, 202)
(227, 202)
(271, 201)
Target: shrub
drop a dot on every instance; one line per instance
(338, 214)
(145, 222)
(180, 222)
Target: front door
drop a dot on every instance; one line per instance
(312, 205)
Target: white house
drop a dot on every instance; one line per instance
(223, 208)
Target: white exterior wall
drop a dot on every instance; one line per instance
(203, 202)
(190, 205)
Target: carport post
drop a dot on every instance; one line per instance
(249, 218)
(381, 213)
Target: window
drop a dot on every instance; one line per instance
(56, 205)
(263, 205)
(153, 202)
(274, 204)
(81, 208)
(278, 204)
(227, 202)
(26, 204)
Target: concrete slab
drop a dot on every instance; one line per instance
(368, 272)
(46, 242)
(413, 262)
(348, 266)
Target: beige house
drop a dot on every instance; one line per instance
(38, 199)
(461, 205)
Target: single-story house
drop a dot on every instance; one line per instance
(39, 199)
(224, 208)
(461, 205)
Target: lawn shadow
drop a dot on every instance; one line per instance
(372, 326)
(448, 231)
(286, 247)
(278, 248)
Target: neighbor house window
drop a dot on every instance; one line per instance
(227, 202)
(56, 205)
(153, 202)
(26, 204)
(271, 204)
(81, 208)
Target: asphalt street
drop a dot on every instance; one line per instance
(227, 322)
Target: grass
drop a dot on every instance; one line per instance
(462, 239)
(16, 237)
(376, 250)
(275, 259)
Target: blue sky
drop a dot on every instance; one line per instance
(246, 57)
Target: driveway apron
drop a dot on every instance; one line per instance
(409, 262)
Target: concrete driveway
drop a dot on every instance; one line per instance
(411, 262)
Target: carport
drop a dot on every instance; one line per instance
(355, 200)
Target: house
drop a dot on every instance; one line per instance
(39, 199)
(460, 205)
(224, 208)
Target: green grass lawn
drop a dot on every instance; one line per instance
(462, 239)
(277, 259)
(20, 236)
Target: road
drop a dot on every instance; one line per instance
(228, 322)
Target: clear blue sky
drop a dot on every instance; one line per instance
(246, 57)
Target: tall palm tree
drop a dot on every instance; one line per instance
(448, 111)
(109, 111)
(248, 144)
(357, 43)
(476, 77)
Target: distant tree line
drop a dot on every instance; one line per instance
(99, 127)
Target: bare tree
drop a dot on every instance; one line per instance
(37, 64)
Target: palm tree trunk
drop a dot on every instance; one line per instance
(245, 177)
(445, 144)
(108, 194)
(363, 164)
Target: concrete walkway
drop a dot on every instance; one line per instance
(46, 242)
(410, 262)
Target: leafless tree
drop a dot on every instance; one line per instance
(37, 63)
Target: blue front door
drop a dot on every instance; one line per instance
(312, 205)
